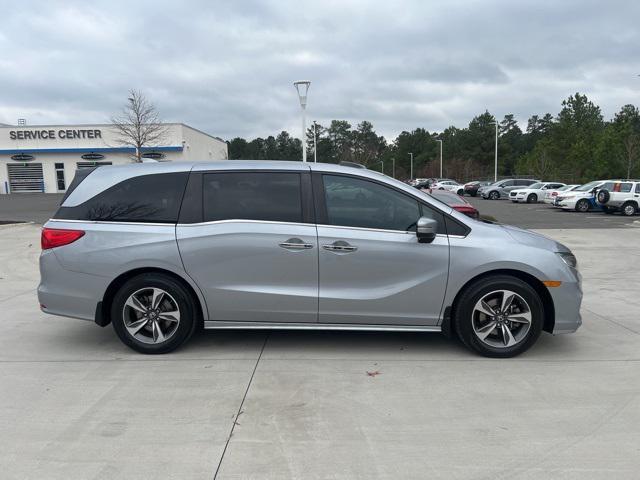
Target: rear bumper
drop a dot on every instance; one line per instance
(67, 293)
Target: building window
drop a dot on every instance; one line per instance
(60, 177)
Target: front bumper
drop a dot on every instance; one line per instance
(567, 300)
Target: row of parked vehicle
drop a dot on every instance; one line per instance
(609, 196)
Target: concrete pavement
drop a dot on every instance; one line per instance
(76, 404)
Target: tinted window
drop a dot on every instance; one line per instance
(508, 183)
(268, 196)
(608, 185)
(637, 187)
(625, 187)
(353, 202)
(147, 198)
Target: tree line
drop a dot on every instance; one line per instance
(576, 145)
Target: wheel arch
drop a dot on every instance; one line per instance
(103, 309)
(537, 285)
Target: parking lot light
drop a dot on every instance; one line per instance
(302, 87)
(440, 157)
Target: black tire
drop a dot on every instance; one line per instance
(463, 315)
(583, 205)
(461, 193)
(629, 209)
(603, 196)
(189, 314)
(473, 194)
(494, 195)
(532, 198)
(608, 210)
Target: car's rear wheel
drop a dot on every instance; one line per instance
(499, 316)
(628, 209)
(494, 195)
(532, 198)
(582, 206)
(153, 313)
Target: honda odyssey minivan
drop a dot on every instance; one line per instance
(161, 250)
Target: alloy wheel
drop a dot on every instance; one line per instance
(501, 319)
(629, 210)
(151, 315)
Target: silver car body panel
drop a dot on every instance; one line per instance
(243, 277)
(248, 273)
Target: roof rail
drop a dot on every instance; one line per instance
(352, 165)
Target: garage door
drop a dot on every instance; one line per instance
(25, 177)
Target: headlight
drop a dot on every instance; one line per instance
(568, 258)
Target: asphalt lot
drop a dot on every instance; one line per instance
(543, 216)
(77, 404)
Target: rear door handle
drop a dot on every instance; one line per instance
(296, 244)
(340, 247)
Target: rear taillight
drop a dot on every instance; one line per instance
(55, 237)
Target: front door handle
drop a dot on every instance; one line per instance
(340, 247)
(295, 244)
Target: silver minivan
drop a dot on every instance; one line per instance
(161, 250)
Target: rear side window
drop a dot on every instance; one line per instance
(625, 187)
(146, 198)
(267, 196)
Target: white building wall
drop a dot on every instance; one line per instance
(67, 143)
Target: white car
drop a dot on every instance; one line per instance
(450, 185)
(551, 195)
(583, 198)
(533, 193)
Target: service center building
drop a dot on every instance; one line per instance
(44, 158)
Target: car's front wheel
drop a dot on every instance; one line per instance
(153, 313)
(499, 316)
(532, 198)
(494, 195)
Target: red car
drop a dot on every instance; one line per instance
(455, 201)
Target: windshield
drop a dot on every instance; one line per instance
(535, 186)
(566, 187)
(587, 186)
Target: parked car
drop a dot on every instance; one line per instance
(160, 249)
(502, 188)
(583, 198)
(550, 195)
(447, 184)
(624, 197)
(456, 202)
(533, 193)
(471, 188)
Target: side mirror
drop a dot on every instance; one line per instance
(426, 229)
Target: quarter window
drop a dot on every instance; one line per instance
(146, 198)
(267, 196)
(352, 202)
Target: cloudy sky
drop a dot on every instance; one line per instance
(228, 67)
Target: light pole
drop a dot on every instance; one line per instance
(315, 144)
(382, 162)
(440, 157)
(495, 174)
(411, 155)
(393, 167)
(302, 87)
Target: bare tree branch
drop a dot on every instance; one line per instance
(139, 124)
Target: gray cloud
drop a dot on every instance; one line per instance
(227, 67)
